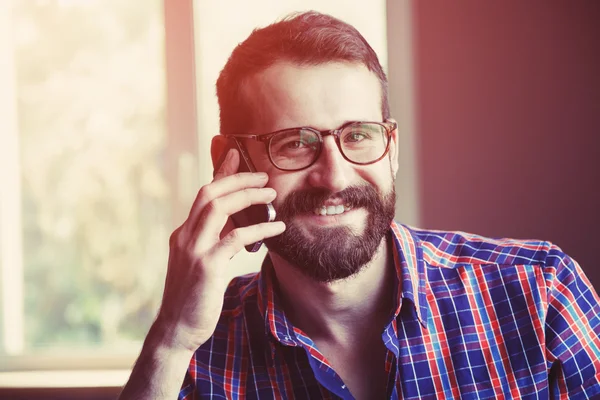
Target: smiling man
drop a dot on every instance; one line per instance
(349, 303)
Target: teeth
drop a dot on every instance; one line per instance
(332, 210)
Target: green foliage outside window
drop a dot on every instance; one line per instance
(96, 201)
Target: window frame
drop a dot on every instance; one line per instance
(181, 131)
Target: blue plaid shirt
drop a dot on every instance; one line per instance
(474, 318)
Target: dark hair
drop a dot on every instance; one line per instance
(309, 38)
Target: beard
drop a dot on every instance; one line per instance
(327, 254)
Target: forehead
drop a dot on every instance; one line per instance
(323, 96)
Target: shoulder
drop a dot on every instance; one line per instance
(543, 262)
(450, 248)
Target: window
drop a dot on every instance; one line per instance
(86, 196)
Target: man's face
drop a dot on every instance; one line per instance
(325, 247)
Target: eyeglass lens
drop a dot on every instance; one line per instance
(298, 148)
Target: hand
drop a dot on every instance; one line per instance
(200, 251)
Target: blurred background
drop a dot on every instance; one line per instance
(107, 109)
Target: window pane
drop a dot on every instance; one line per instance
(95, 198)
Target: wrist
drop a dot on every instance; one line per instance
(159, 370)
(164, 339)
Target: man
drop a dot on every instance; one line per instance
(348, 303)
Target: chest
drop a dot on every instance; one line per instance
(362, 369)
(426, 367)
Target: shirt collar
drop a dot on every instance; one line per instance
(410, 270)
(276, 322)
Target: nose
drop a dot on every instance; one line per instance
(331, 171)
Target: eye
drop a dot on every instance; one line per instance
(295, 144)
(356, 136)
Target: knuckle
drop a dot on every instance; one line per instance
(247, 196)
(235, 236)
(206, 192)
(214, 206)
(199, 261)
(243, 180)
(174, 238)
(233, 245)
(249, 192)
(239, 176)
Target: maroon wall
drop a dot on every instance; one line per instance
(508, 99)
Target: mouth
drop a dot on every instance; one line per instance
(332, 210)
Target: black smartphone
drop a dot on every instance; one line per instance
(254, 214)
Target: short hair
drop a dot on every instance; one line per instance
(308, 38)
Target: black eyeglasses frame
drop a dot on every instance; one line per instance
(388, 125)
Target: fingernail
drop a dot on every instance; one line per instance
(280, 224)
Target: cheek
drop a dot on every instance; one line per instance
(381, 177)
(278, 180)
(283, 183)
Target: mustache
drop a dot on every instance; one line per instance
(306, 200)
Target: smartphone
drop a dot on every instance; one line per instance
(256, 213)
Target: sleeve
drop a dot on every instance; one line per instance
(188, 388)
(572, 330)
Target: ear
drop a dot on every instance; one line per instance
(217, 148)
(394, 149)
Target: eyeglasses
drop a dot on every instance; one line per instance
(294, 149)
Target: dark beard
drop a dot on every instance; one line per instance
(332, 253)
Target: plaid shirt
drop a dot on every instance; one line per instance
(474, 318)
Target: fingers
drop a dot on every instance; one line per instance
(226, 181)
(230, 184)
(215, 214)
(229, 166)
(228, 193)
(223, 187)
(235, 240)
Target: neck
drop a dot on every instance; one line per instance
(339, 310)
